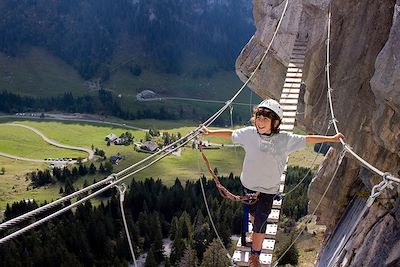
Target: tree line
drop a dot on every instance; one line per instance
(104, 103)
(94, 235)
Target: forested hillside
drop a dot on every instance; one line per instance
(85, 34)
(94, 236)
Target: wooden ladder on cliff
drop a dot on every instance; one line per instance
(289, 100)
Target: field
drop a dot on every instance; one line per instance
(38, 73)
(188, 166)
(23, 142)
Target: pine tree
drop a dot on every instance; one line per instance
(215, 256)
(189, 258)
(292, 255)
(92, 169)
(150, 259)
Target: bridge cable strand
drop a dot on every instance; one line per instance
(53, 204)
(121, 190)
(112, 184)
(342, 154)
(375, 192)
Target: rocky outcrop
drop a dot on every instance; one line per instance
(365, 71)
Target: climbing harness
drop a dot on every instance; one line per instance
(248, 199)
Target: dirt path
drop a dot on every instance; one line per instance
(51, 142)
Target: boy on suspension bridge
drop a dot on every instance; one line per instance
(266, 151)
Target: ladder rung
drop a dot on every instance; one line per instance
(289, 101)
(295, 65)
(298, 56)
(288, 108)
(283, 177)
(295, 70)
(291, 96)
(271, 230)
(241, 257)
(281, 188)
(289, 114)
(291, 90)
(299, 47)
(288, 120)
(291, 85)
(296, 60)
(265, 259)
(294, 74)
(277, 204)
(293, 80)
(268, 246)
(274, 216)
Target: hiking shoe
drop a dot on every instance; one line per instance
(254, 261)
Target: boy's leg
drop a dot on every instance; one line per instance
(258, 239)
(261, 213)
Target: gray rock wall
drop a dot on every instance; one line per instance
(365, 76)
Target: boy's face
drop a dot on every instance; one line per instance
(263, 124)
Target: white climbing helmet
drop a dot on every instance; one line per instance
(272, 105)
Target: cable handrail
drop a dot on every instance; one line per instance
(55, 214)
(334, 121)
(29, 214)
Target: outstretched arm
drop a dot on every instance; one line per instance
(221, 133)
(313, 139)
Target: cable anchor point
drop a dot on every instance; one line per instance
(121, 190)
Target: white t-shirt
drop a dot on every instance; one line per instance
(265, 157)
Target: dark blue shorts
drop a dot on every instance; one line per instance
(260, 211)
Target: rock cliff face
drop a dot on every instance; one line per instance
(365, 77)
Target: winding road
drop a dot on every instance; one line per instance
(51, 142)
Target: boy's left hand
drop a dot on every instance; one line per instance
(337, 137)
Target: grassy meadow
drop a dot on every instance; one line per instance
(188, 166)
(25, 143)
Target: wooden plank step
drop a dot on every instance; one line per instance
(302, 56)
(291, 90)
(274, 216)
(299, 46)
(266, 260)
(241, 247)
(299, 52)
(295, 74)
(293, 80)
(291, 85)
(277, 204)
(241, 258)
(296, 60)
(289, 114)
(288, 120)
(281, 188)
(295, 65)
(283, 177)
(289, 101)
(290, 96)
(288, 108)
(271, 231)
(294, 70)
(286, 127)
(268, 246)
